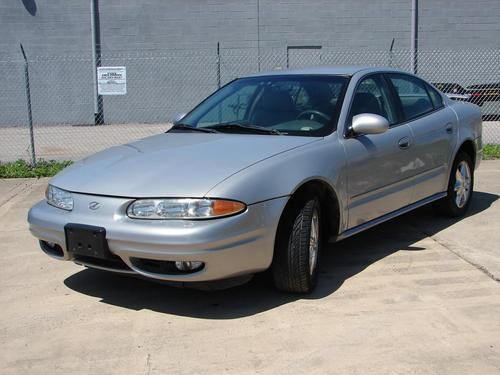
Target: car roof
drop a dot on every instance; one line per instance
(348, 70)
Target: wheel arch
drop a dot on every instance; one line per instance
(469, 148)
(329, 202)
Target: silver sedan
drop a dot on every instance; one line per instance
(262, 174)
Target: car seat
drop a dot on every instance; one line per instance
(273, 107)
(365, 102)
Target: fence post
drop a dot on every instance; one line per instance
(28, 101)
(258, 35)
(218, 65)
(414, 36)
(219, 79)
(95, 27)
(391, 54)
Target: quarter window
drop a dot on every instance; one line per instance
(415, 100)
(437, 99)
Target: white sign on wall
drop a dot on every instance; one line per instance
(112, 80)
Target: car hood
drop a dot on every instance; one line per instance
(171, 164)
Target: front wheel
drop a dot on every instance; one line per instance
(460, 187)
(297, 248)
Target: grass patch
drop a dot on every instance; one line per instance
(21, 168)
(491, 152)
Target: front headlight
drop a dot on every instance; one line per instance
(183, 208)
(59, 198)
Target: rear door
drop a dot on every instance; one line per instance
(379, 165)
(433, 128)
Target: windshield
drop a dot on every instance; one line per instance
(300, 105)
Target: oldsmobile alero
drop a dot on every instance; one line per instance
(262, 174)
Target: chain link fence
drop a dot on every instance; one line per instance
(161, 85)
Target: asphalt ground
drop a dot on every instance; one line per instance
(417, 295)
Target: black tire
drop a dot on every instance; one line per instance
(291, 267)
(448, 206)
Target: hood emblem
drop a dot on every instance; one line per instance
(94, 205)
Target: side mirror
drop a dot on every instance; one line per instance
(369, 123)
(178, 117)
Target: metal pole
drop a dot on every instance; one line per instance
(96, 60)
(414, 36)
(30, 113)
(218, 80)
(258, 35)
(218, 65)
(391, 55)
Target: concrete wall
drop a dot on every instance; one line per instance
(62, 87)
(459, 24)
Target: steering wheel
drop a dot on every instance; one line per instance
(314, 112)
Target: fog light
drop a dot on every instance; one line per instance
(188, 266)
(51, 244)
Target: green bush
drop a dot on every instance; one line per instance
(21, 168)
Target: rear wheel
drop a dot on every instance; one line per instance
(460, 187)
(297, 248)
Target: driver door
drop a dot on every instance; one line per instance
(379, 166)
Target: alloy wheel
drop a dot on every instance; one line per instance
(462, 184)
(314, 242)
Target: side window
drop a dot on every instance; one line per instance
(372, 96)
(413, 95)
(436, 98)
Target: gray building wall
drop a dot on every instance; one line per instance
(62, 86)
(459, 24)
(55, 27)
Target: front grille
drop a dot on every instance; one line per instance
(114, 263)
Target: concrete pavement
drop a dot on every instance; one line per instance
(419, 294)
(66, 142)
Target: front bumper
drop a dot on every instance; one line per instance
(228, 247)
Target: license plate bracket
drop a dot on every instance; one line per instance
(87, 240)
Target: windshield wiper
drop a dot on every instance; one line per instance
(245, 128)
(191, 128)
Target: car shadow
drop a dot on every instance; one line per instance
(339, 262)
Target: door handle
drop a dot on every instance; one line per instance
(404, 143)
(449, 128)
